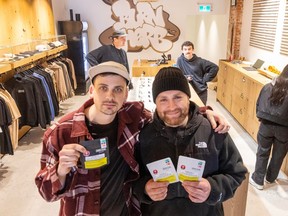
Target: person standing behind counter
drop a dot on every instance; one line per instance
(112, 52)
(197, 70)
(178, 130)
(272, 110)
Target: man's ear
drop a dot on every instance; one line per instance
(126, 94)
(91, 90)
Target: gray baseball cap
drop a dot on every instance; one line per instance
(109, 67)
(118, 33)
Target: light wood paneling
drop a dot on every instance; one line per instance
(24, 20)
(238, 91)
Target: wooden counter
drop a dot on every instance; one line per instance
(238, 90)
(148, 68)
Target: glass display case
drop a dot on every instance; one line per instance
(49, 45)
(6, 54)
(21, 54)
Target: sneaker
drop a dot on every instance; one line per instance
(268, 182)
(254, 184)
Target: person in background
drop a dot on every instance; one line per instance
(179, 130)
(272, 111)
(105, 190)
(198, 71)
(112, 52)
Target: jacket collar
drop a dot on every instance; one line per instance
(194, 56)
(79, 127)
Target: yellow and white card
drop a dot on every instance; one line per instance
(190, 169)
(163, 170)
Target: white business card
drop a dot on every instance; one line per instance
(163, 170)
(190, 169)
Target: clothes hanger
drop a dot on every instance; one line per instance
(2, 86)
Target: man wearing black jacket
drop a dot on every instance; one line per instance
(113, 52)
(179, 130)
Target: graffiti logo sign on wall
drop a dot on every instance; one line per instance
(145, 26)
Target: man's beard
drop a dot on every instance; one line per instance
(175, 121)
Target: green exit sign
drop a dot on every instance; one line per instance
(205, 8)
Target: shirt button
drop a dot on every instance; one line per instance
(96, 202)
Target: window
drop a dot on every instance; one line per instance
(264, 24)
(284, 41)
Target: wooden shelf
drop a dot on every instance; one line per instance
(21, 62)
(56, 50)
(23, 130)
(39, 56)
(5, 68)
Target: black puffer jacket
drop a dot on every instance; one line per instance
(224, 168)
(275, 114)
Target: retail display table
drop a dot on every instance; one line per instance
(148, 68)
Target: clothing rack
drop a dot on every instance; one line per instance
(8, 70)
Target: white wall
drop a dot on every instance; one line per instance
(252, 53)
(208, 32)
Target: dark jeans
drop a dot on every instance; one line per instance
(203, 96)
(270, 135)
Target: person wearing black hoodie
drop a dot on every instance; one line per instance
(271, 110)
(179, 130)
(197, 70)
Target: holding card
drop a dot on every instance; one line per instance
(97, 153)
(163, 170)
(190, 169)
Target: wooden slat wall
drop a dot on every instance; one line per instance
(264, 24)
(24, 20)
(284, 41)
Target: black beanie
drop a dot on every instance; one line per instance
(170, 78)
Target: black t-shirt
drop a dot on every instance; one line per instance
(114, 174)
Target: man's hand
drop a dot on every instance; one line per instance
(214, 118)
(156, 190)
(68, 158)
(198, 191)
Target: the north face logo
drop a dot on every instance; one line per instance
(201, 145)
